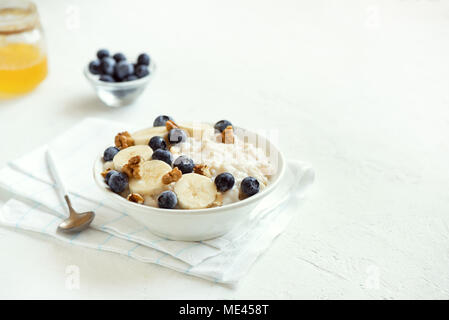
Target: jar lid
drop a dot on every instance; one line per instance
(17, 16)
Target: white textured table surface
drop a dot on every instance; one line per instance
(360, 91)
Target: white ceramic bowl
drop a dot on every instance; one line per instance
(200, 224)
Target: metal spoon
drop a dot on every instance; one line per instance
(76, 221)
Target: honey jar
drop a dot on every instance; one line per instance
(23, 57)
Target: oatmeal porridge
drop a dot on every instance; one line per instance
(186, 165)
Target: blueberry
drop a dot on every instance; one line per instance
(131, 77)
(118, 182)
(177, 135)
(249, 186)
(123, 69)
(119, 57)
(108, 175)
(161, 120)
(143, 59)
(116, 78)
(163, 155)
(184, 164)
(107, 66)
(107, 78)
(167, 200)
(224, 181)
(157, 142)
(222, 124)
(102, 53)
(94, 67)
(141, 71)
(109, 153)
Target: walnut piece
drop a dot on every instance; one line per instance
(203, 170)
(132, 167)
(242, 196)
(170, 125)
(135, 197)
(104, 173)
(123, 140)
(227, 136)
(172, 176)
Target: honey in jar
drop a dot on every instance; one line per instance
(23, 60)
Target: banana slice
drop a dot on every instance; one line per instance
(122, 158)
(195, 191)
(151, 173)
(108, 165)
(144, 136)
(196, 129)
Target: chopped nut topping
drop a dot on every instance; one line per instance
(218, 201)
(135, 197)
(132, 167)
(104, 173)
(172, 176)
(242, 196)
(123, 140)
(170, 125)
(203, 170)
(227, 136)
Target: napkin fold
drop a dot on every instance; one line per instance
(37, 207)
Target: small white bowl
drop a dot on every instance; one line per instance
(118, 94)
(199, 224)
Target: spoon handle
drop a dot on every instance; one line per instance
(56, 176)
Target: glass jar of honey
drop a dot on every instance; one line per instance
(23, 57)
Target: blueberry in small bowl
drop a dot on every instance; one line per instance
(117, 80)
(119, 57)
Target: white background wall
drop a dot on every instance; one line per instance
(358, 89)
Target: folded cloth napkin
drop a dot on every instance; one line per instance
(37, 207)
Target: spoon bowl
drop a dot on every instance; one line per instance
(77, 223)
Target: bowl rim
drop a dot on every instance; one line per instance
(99, 180)
(94, 79)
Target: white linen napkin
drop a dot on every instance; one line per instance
(37, 207)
